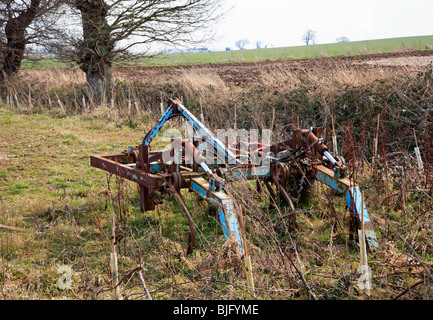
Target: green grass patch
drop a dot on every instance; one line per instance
(46, 63)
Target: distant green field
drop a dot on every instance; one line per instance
(283, 53)
(298, 52)
(45, 63)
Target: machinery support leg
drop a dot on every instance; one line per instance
(354, 201)
(191, 239)
(146, 203)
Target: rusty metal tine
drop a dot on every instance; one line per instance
(191, 240)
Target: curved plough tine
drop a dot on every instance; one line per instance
(231, 221)
(191, 238)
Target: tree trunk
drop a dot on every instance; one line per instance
(15, 31)
(95, 50)
(98, 82)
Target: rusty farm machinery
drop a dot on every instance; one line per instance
(205, 164)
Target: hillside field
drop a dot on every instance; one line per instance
(353, 48)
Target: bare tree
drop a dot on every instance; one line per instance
(111, 27)
(22, 23)
(309, 36)
(342, 39)
(242, 43)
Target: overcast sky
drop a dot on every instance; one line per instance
(281, 23)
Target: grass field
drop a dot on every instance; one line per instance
(273, 54)
(298, 52)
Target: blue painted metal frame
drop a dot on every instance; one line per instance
(353, 196)
(177, 108)
(154, 131)
(206, 189)
(227, 214)
(229, 220)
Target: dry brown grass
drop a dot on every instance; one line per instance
(201, 82)
(332, 74)
(53, 77)
(403, 61)
(326, 75)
